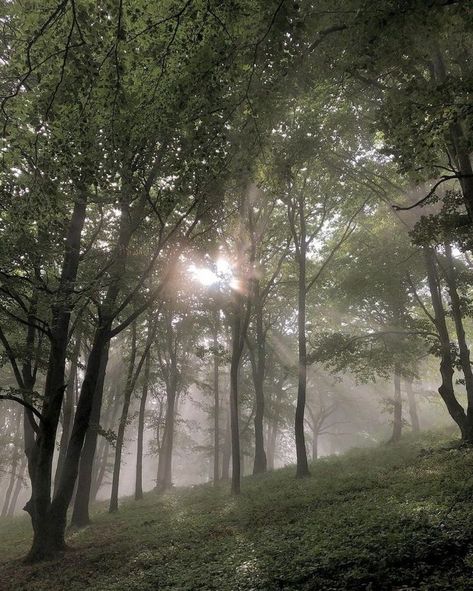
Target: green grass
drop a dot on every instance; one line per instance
(383, 519)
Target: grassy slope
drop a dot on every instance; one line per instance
(389, 518)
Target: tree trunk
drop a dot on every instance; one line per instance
(227, 451)
(301, 452)
(459, 151)
(15, 461)
(411, 400)
(16, 492)
(216, 467)
(273, 434)
(164, 480)
(122, 424)
(48, 529)
(68, 409)
(397, 408)
(80, 514)
(260, 461)
(100, 467)
(141, 429)
(446, 389)
(464, 351)
(234, 411)
(315, 441)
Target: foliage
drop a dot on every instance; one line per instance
(398, 517)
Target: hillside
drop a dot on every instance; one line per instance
(388, 518)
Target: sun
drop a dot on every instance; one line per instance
(203, 275)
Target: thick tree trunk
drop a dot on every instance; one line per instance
(141, 430)
(80, 514)
(48, 529)
(67, 481)
(411, 400)
(446, 389)
(62, 497)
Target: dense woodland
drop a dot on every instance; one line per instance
(234, 236)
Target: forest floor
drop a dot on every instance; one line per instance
(390, 518)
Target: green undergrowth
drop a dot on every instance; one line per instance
(390, 518)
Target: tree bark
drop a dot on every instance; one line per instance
(315, 441)
(397, 408)
(141, 429)
(227, 451)
(464, 351)
(48, 529)
(164, 480)
(122, 424)
(260, 461)
(446, 389)
(411, 400)
(80, 514)
(302, 469)
(459, 151)
(68, 409)
(273, 434)
(234, 410)
(100, 467)
(16, 492)
(14, 464)
(216, 466)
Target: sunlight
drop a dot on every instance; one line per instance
(203, 275)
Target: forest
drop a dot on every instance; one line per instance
(236, 295)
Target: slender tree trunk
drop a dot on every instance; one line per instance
(16, 492)
(397, 408)
(446, 389)
(122, 424)
(301, 451)
(68, 409)
(464, 351)
(227, 451)
(11, 484)
(15, 461)
(411, 400)
(141, 429)
(216, 467)
(100, 467)
(275, 423)
(260, 462)
(164, 480)
(234, 410)
(315, 441)
(80, 514)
